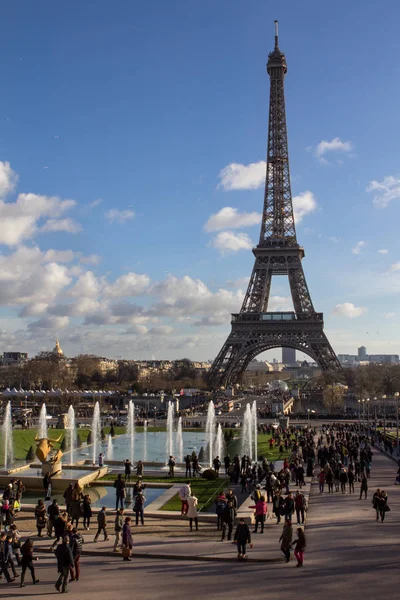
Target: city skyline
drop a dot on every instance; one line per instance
(132, 174)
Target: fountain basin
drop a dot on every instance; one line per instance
(33, 480)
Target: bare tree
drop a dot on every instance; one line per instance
(334, 397)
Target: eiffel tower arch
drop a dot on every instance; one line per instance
(278, 253)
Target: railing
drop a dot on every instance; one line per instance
(277, 316)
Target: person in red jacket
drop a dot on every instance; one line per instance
(261, 513)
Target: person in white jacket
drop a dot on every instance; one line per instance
(192, 512)
(184, 494)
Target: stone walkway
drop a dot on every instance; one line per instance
(171, 538)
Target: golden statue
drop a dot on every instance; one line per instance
(44, 447)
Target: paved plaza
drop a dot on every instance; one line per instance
(348, 554)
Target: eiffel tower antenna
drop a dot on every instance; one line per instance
(254, 329)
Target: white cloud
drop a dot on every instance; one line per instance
(95, 203)
(8, 179)
(130, 284)
(68, 225)
(383, 251)
(161, 330)
(348, 310)
(358, 247)
(335, 145)
(228, 241)
(303, 204)
(62, 256)
(241, 282)
(395, 267)
(54, 323)
(87, 285)
(390, 315)
(237, 176)
(91, 259)
(115, 215)
(231, 218)
(334, 239)
(385, 191)
(20, 219)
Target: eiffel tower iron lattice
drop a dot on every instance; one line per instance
(254, 329)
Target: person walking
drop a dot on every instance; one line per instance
(127, 540)
(350, 479)
(277, 505)
(343, 480)
(128, 469)
(68, 497)
(217, 464)
(184, 493)
(75, 511)
(299, 505)
(59, 528)
(101, 524)
(192, 512)
(65, 561)
(8, 553)
(118, 525)
(87, 511)
(220, 504)
(300, 545)
(188, 465)
(41, 517)
(27, 561)
(261, 513)
(3, 558)
(321, 480)
(383, 505)
(76, 544)
(228, 520)
(286, 540)
(242, 538)
(329, 480)
(139, 508)
(171, 465)
(53, 512)
(364, 487)
(120, 487)
(376, 502)
(16, 543)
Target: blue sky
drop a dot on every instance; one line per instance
(135, 113)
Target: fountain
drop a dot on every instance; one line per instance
(131, 430)
(42, 426)
(7, 437)
(145, 440)
(219, 444)
(179, 440)
(170, 430)
(110, 449)
(255, 427)
(247, 433)
(71, 434)
(96, 437)
(210, 431)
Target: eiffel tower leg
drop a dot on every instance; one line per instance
(219, 374)
(324, 355)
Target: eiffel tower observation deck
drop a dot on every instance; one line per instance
(254, 329)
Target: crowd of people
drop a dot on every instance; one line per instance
(339, 456)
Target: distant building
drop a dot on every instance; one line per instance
(57, 350)
(289, 356)
(362, 353)
(14, 358)
(362, 358)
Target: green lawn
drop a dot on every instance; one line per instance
(204, 490)
(264, 449)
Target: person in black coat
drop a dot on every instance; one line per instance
(228, 519)
(242, 538)
(65, 560)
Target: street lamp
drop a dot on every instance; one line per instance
(375, 399)
(396, 395)
(368, 429)
(363, 418)
(384, 415)
(359, 415)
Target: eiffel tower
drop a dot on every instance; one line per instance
(254, 329)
